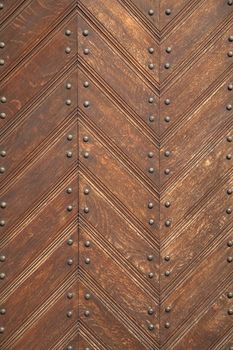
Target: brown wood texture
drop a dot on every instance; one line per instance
(116, 177)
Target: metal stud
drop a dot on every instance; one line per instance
(69, 190)
(151, 12)
(86, 154)
(168, 49)
(150, 311)
(67, 50)
(68, 32)
(2, 275)
(3, 205)
(168, 12)
(230, 86)
(85, 32)
(85, 138)
(167, 153)
(229, 259)
(230, 295)
(3, 99)
(2, 45)
(167, 101)
(230, 54)
(167, 273)
(87, 296)
(3, 153)
(151, 327)
(229, 138)
(2, 329)
(167, 258)
(150, 99)
(2, 62)
(2, 115)
(70, 137)
(86, 84)
(2, 222)
(151, 118)
(2, 170)
(167, 204)
(70, 241)
(86, 104)
(151, 222)
(168, 309)
(167, 65)
(87, 261)
(167, 171)
(69, 154)
(167, 119)
(2, 311)
(86, 210)
(168, 223)
(230, 312)
(167, 325)
(228, 156)
(86, 51)
(150, 154)
(68, 86)
(229, 191)
(151, 66)
(87, 349)
(2, 258)
(87, 244)
(228, 210)
(230, 243)
(68, 102)
(70, 295)
(69, 314)
(230, 2)
(150, 275)
(69, 347)
(87, 313)
(69, 261)
(151, 170)
(69, 208)
(151, 50)
(150, 205)
(86, 191)
(150, 257)
(229, 107)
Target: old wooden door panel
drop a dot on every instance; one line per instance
(116, 175)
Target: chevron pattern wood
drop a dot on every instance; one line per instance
(116, 175)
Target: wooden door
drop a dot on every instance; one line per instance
(116, 226)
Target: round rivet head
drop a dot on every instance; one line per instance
(70, 137)
(86, 155)
(230, 243)
(86, 104)
(230, 54)
(2, 222)
(168, 223)
(67, 50)
(150, 275)
(228, 210)
(86, 210)
(150, 99)
(150, 311)
(151, 66)
(151, 170)
(70, 261)
(230, 2)
(167, 153)
(167, 258)
(151, 222)
(86, 191)
(69, 347)
(167, 325)
(2, 329)
(3, 205)
(2, 311)
(68, 102)
(229, 191)
(69, 314)
(167, 204)
(2, 45)
(229, 138)
(2, 258)
(69, 190)
(68, 86)
(2, 275)
(87, 349)
(168, 309)
(85, 32)
(167, 65)
(3, 99)
(69, 154)
(229, 259)
(230, 87)
(167, 273)
(167, 119)
(2, 115)
(150, 205)
(87, 313)
(229, 107)
(87, 261)
(151, 327)
(3, 153)
(151, 50)
(151, 12)
(87, 244)
(230, 312)
(151, 118)
(2, 170)
(69, 208)
(150, 154)
(2, 62)
(70, 295)
(85, 138)
(86, 51)
(150, 257)
(230, 38)
(228, 156)
(167, 171)
(86, 84)
(167, 101)
(168, 49)
(87, 296)
(230, 295)
(168, 12)
(70, 241)
(68, 32)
